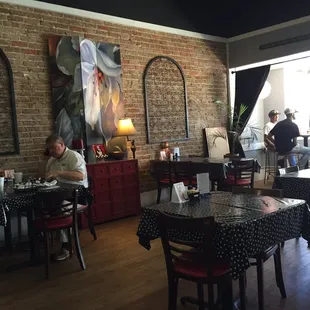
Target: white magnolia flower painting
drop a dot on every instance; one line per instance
(87, 88)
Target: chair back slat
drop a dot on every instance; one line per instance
(242, 170)
(182, 170)
(172, 228)
(258, 191)
(162, 170)
(60, 203)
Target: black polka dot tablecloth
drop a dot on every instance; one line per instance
(11, 200)
(295, 185)
(246, 224)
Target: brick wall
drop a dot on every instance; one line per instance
(23, 37)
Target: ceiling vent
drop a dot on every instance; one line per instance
(292, 40)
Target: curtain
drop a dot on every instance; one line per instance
(249, 84)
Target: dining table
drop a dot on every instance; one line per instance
(12, 200)
(294, 184)
(245, 224)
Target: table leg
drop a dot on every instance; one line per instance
(306, 144)
(34, 260)
(8, 232)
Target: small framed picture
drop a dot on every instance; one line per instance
(99, 150)
(179, 193)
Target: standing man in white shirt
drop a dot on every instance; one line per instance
(65, 166)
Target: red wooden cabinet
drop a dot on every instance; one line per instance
(115, 186)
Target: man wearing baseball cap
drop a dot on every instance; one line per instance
(285, 134)
(273, 118)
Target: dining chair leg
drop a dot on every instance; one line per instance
(227, 294)
(90, 222)
(19, 226)
(158, 194)
(173, 294)
(70, 241)
(201, 299)
(210, 297)
(260, 283)
(278, 270)
(8, 233)
(78, 247)
(242, 286)
(46, 255)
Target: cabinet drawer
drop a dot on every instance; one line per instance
(103, 212)
(130, 180)
(119, 209)
(101, 172)
(115, 169)
(101, 185)
(130, 167)
(116, 182)
(117, 195)
(103, 196)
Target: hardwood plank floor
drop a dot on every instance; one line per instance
(122, 275)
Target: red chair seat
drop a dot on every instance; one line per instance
(167, 180)
(55, 223)
(231, 181)
(198, 270)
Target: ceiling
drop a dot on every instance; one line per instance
(222, 18)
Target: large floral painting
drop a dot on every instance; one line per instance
(87, 89)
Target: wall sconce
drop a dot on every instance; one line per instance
(125, 128)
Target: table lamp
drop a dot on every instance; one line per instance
(126, 128)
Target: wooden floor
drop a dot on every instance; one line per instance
(122, 275)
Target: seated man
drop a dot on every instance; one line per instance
(66, 166)
(273, 118)
(285, 134)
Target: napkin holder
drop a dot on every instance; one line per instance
(179, 193)
(193, 196)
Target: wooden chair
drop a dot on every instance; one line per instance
(86, 210)
(193, 260)
(162, 171)
(260, 258)
(286, 170)
(240, 173)
(183, 172)
(52, 214)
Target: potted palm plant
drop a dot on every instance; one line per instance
(234, 126)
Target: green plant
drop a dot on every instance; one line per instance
(234, 126)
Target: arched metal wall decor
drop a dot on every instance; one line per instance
(165, 100)
(9, 140)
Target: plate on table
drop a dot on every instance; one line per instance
(33, 186)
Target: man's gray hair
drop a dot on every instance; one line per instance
(54, 139)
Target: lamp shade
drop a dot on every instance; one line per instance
(125, 127)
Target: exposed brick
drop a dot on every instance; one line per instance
(23, 37)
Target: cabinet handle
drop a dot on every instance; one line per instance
(101, 170)
(130, 166)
